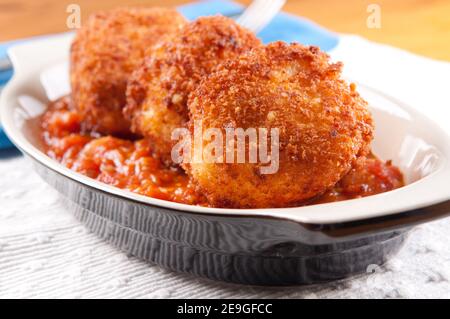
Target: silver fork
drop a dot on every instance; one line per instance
(259, 13)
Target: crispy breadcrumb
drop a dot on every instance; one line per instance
(324, 125)
(157, 93)
(103, 55)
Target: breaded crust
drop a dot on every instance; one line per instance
(157, 92)
(103, 55)
(324, 125)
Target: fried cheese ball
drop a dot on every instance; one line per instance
(324, 126)
(104, 53)
(157, 93)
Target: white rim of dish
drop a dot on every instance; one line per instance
(29, 58)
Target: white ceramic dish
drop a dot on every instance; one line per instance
(414, 143)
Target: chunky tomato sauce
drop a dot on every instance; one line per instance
(369, 177)
(131, 165)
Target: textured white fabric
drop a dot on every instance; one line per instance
(45, 252)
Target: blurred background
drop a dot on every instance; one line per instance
(420, 26)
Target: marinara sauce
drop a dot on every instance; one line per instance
(131, 164)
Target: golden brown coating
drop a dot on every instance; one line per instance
(157, 93)
(324, 125)
(103, 55)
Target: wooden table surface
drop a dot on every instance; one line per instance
(420, 26)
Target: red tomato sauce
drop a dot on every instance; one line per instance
(131, 164)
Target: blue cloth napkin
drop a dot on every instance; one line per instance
(283, 27)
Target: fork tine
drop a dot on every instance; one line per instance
(249, 13)
(261, 16)
(259, 13)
